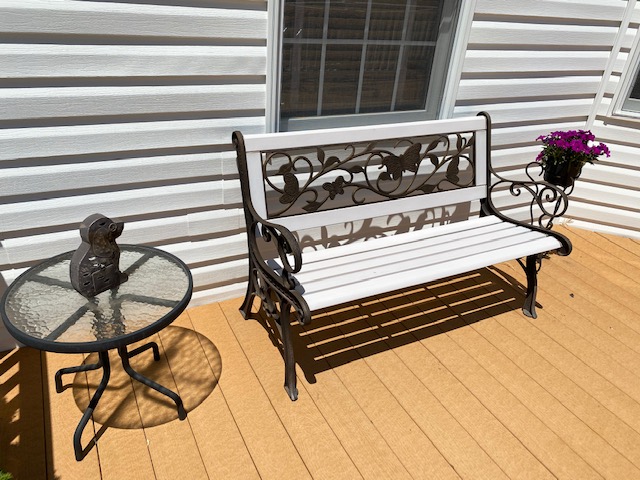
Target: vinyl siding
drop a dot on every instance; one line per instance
(539, 66)
(127, 109)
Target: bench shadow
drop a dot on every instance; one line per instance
(353, 331)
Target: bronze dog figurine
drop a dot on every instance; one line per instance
(95, 264)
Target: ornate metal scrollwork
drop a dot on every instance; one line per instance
(369, 173)
(548, 202)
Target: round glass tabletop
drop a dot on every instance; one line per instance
(41, 308)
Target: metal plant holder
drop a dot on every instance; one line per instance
(94, 267)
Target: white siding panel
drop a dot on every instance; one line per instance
(31, 180)
(606, 215)
(34, 248)
(86, 139)
(517, 88)
(504, 33)
(25, 103)
(599, 10)
(517, 61)
(93, 18)
(53, 61)
(72, 210)
(532, 111)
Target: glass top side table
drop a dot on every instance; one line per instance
(42, 310)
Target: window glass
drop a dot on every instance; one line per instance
(361, 57)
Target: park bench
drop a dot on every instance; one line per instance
(356, 179)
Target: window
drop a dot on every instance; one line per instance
(348, 62)
(632, 99)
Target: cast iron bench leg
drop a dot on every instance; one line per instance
(290, 381)
(531, 270)
(93, 403)
(124, 356)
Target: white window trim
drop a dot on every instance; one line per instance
(447, 102)
(629, 72)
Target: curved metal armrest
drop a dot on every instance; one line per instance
(286, 245)
(547, 203)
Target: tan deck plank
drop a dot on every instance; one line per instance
(22, 434)
(618, 374)
(549, 338)
(537, 377)
(173, 448)
(64, 416)
(196, 366)
(631, 245)
(402, 326)
(603, 248)
(267, 441)
(591, 322)
(383, 406)
(541, 440)
(314, 439)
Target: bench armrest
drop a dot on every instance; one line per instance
(547, 202)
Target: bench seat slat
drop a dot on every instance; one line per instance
(381, 265)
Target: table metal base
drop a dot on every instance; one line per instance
(103, 363)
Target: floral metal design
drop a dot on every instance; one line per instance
(547, 203)
(367, 174)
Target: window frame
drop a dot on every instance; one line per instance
(630, 72)
(442, 107)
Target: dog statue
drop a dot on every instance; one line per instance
(95, 264)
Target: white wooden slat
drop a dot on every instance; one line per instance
(509, 33)
(316, 261)
(397, 206)
(553, 110)
(102, 18)
(332, 136)
(518, 88)
(215, 222)
(55, 61)
(85, 139)
(52, 178)
(481, 159)
(509, 61)
(611, 10)
(71, 210)
(33, 103)
(392, 273)
(622, 156)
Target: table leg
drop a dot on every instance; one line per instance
(77, 436)
(81, 368)
(124, 355)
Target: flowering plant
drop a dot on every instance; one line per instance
(574, 147)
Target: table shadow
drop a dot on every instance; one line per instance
(190, 365)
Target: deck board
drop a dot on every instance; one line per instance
(443, 381)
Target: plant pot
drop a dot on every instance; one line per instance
(562, 174)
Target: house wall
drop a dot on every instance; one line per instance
(538, 67)
(608, 196)
(127, 109)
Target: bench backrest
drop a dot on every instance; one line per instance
(320, 177)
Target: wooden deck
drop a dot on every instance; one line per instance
(448, 380)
